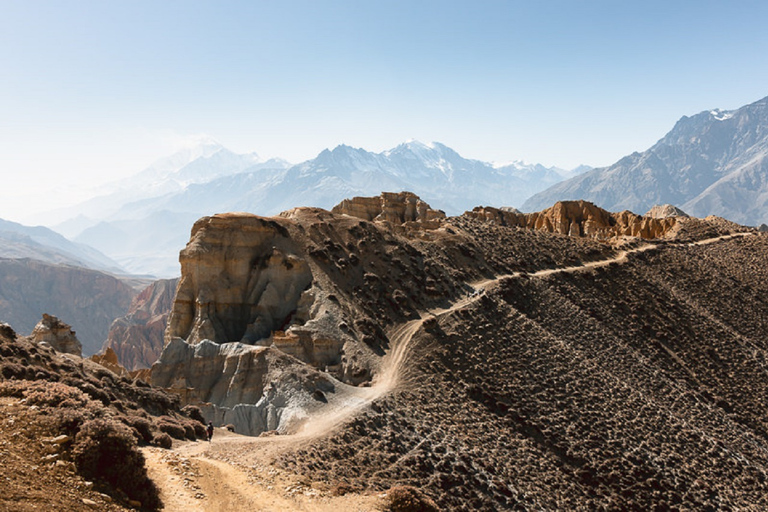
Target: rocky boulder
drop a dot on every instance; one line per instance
(581, 219)
(57, 334)
(7, 332)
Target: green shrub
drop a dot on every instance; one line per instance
(105, 450)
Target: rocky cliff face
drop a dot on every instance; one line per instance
(580, 218)
(55, 333)
(396, 209)
(88, 299)
(137, 338)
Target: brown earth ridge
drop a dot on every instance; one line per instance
(632, 385)
(571, 359)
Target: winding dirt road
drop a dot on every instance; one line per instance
(235, 473)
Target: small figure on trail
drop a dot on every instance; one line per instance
(209, 430)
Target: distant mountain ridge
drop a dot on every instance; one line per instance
(712, 163)
(42, 244)
(146, 221)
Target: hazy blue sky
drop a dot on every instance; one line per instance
(96, 90)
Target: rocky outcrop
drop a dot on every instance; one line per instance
(7, 331)
(90, 300)
(57, 334)
(396, 209)
(241, 281)
(581, 219)
(664, 211)
(254, 388)
(108, 359)
(137, 338)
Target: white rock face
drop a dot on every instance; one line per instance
(254, 388)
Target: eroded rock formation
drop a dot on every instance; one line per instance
(394, 208)
(57, 334)
(137, 338)
(664, 211)
(241, 280)
(254, 388)
(580, 218)
(108, 359)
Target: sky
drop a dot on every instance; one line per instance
(92, 91)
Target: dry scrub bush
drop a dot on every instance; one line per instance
(163, 440)
(403, 498)
(105, 450)
(55, 394)
(141, 427)
(193, 412)
(171, 427)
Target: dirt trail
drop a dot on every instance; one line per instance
(235, 473)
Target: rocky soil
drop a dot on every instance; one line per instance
(634, 386)
(67, 423)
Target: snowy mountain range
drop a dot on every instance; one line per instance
(713, 163)
(144, 221)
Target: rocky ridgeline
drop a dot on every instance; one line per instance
(581, 218)
(88, 299)
(300, 293)
(274, 316)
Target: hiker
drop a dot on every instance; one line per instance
(209, 431)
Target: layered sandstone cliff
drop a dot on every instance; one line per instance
(396, 209)
(137, 338)
(580, 218)
(241, 280)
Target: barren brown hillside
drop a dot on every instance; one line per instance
(638, 385)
